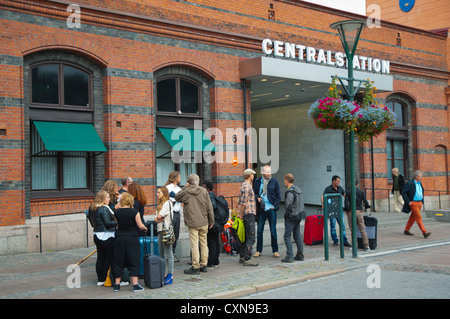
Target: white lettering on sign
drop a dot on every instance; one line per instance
(320, 56)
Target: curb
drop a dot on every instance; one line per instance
(272, 285)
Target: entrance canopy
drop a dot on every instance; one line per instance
(279, 82)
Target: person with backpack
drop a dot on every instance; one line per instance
(294, 213)
(221, 212)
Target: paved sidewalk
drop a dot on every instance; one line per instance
(44, 275)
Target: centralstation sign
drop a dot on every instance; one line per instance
(312, 55)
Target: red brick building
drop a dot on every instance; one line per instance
(126, 70)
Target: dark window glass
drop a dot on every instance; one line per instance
(45, 84)
(188, 97)
(76, 86)
(398, 110)
(395, 151)
(167, 97)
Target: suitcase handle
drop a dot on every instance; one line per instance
(150, 223)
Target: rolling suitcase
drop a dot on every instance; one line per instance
(313, 233)
(371, 224)
(154, 267)
(144, 243)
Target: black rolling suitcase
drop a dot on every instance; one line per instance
(371, 224)
(154, 267)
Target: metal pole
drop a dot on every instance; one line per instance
(352, 162)
(325, 229)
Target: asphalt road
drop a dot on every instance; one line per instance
(417, 272)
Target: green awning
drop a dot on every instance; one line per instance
(69, 137)
(187, 139)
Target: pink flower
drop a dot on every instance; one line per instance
(323, 120)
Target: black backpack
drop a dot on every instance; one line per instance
(222, 211)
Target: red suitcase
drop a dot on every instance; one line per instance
(313, 233)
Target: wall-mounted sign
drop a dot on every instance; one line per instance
(320, 56)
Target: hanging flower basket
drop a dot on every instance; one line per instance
(367, 120)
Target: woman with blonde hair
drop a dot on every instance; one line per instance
(126, 248)
(164, 218)
(104, 225)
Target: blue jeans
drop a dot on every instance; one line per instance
(271, 215)
(334, 235)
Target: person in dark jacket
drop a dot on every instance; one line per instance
(126, 248)
(398, 182)
(413, 195)
(294, 213)
(360, 198)
(267, 192)
(212, 237)
(104, 227)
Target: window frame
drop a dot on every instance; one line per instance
(398, 133)
(62, 112)
(61, 100)
(60, 191)
(177, 112)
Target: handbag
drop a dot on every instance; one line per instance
(168, 234)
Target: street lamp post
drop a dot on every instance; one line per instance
(349, 32)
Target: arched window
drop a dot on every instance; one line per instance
(59, 85)
(61, 128)
(178, 96)
(397, 139)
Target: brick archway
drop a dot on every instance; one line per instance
(61, 41)
(188, 60)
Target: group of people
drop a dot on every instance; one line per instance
(259, 200)
(408, 198)
(117, 216)
(118, 220)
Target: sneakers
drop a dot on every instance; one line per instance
(276, 254)
(250, 262)
(257, 254)
(168, 280)
(137, 288)
(427, 234)
(367, 249)
(299, 256)
(287, 260)
(192, 271)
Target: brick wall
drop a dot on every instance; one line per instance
(208, 37)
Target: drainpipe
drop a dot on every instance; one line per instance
(244, 91)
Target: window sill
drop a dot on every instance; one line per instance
(48, 194)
